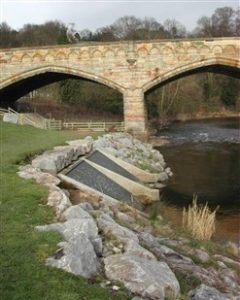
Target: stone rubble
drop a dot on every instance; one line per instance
(131, 150)
(104, 233)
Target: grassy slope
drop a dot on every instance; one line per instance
(23, 275)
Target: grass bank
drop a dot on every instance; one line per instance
(23, 275)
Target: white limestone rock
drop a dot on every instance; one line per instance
(48, 180)
(77, 222)
(147, 278)
(133, 248)
(81, 147)
(58, 200)
(109, 226)
(203, 256)
(49, 163)
(67, 151)
(29, 172)
(78, 257)
(76, 212)
(204, 292)
(126, 147)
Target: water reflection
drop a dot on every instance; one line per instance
(206, 163)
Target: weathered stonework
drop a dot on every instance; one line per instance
(130, 67)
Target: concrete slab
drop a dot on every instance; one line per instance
(92, 177)
(140, 174)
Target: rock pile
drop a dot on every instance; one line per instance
(119, 239)
(131, 150)
(55, 160)
(120, 145)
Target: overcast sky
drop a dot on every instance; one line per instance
(93, 14)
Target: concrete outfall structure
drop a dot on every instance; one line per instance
(142, 175)
(135, 188)
(62, 159)
(131, 67)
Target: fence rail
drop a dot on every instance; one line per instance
(54, 124)
(94, 126)
(41, 122)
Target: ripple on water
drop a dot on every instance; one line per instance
(205, 159)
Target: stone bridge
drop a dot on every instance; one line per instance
(133, 68)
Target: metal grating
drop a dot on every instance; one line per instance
(88, 175)
(102, 160)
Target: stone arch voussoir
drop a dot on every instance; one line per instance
(64, 70)
(221, 61)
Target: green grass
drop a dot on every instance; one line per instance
(187, 282)
(23, 275)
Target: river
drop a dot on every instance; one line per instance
(205, 159)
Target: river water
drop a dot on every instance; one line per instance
(205, 159)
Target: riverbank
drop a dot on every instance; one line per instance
(23, 250)
(223, 113)
(158, 125)
(209, 151)
(121, 240)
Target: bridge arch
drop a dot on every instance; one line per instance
(217, 65)
(61, 72)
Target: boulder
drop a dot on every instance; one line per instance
(133, 248)
(67, 151)
(81, 147)
(58, 200)
(74, 226)
(162, 251)
(203, 256)
(204, 292)
(76, 212)
(29, 172)
(49, 163)
(48, 180)
(226, 279)
(77, 257)
(146, 278)
(227, 260)
(110, 227)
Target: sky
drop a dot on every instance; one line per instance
(93, 14)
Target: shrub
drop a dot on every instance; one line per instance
(199, 220)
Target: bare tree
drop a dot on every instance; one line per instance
(174, 29)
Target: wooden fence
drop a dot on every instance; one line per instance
(53, 124)
(94, 126)
(40, 122)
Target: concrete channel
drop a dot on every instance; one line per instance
(105, 174)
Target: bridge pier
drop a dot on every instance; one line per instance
(135, 114)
